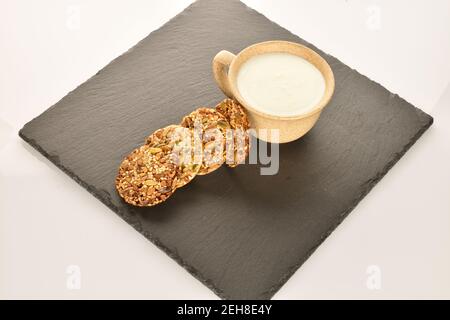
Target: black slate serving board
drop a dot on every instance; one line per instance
(241, 234)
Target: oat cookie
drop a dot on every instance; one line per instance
(211, 126)
(146, 177)
(179, 142)
(239, 139)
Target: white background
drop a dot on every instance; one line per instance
(48, 222)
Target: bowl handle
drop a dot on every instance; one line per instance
(220, 66)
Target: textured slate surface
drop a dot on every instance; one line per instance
(240, 233)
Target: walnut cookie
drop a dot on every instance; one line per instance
(238, 120)
(211, 126)
(146, 177)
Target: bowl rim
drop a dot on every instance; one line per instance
(328, 76)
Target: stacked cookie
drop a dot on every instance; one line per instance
(172, 156)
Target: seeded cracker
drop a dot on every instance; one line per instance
(236, 116)
(146, 177)
(213, 127)
(179, 142)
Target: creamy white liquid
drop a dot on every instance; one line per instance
(280, 84)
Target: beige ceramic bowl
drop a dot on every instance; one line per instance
(226, 67)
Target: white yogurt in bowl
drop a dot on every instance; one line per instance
(280, 84)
